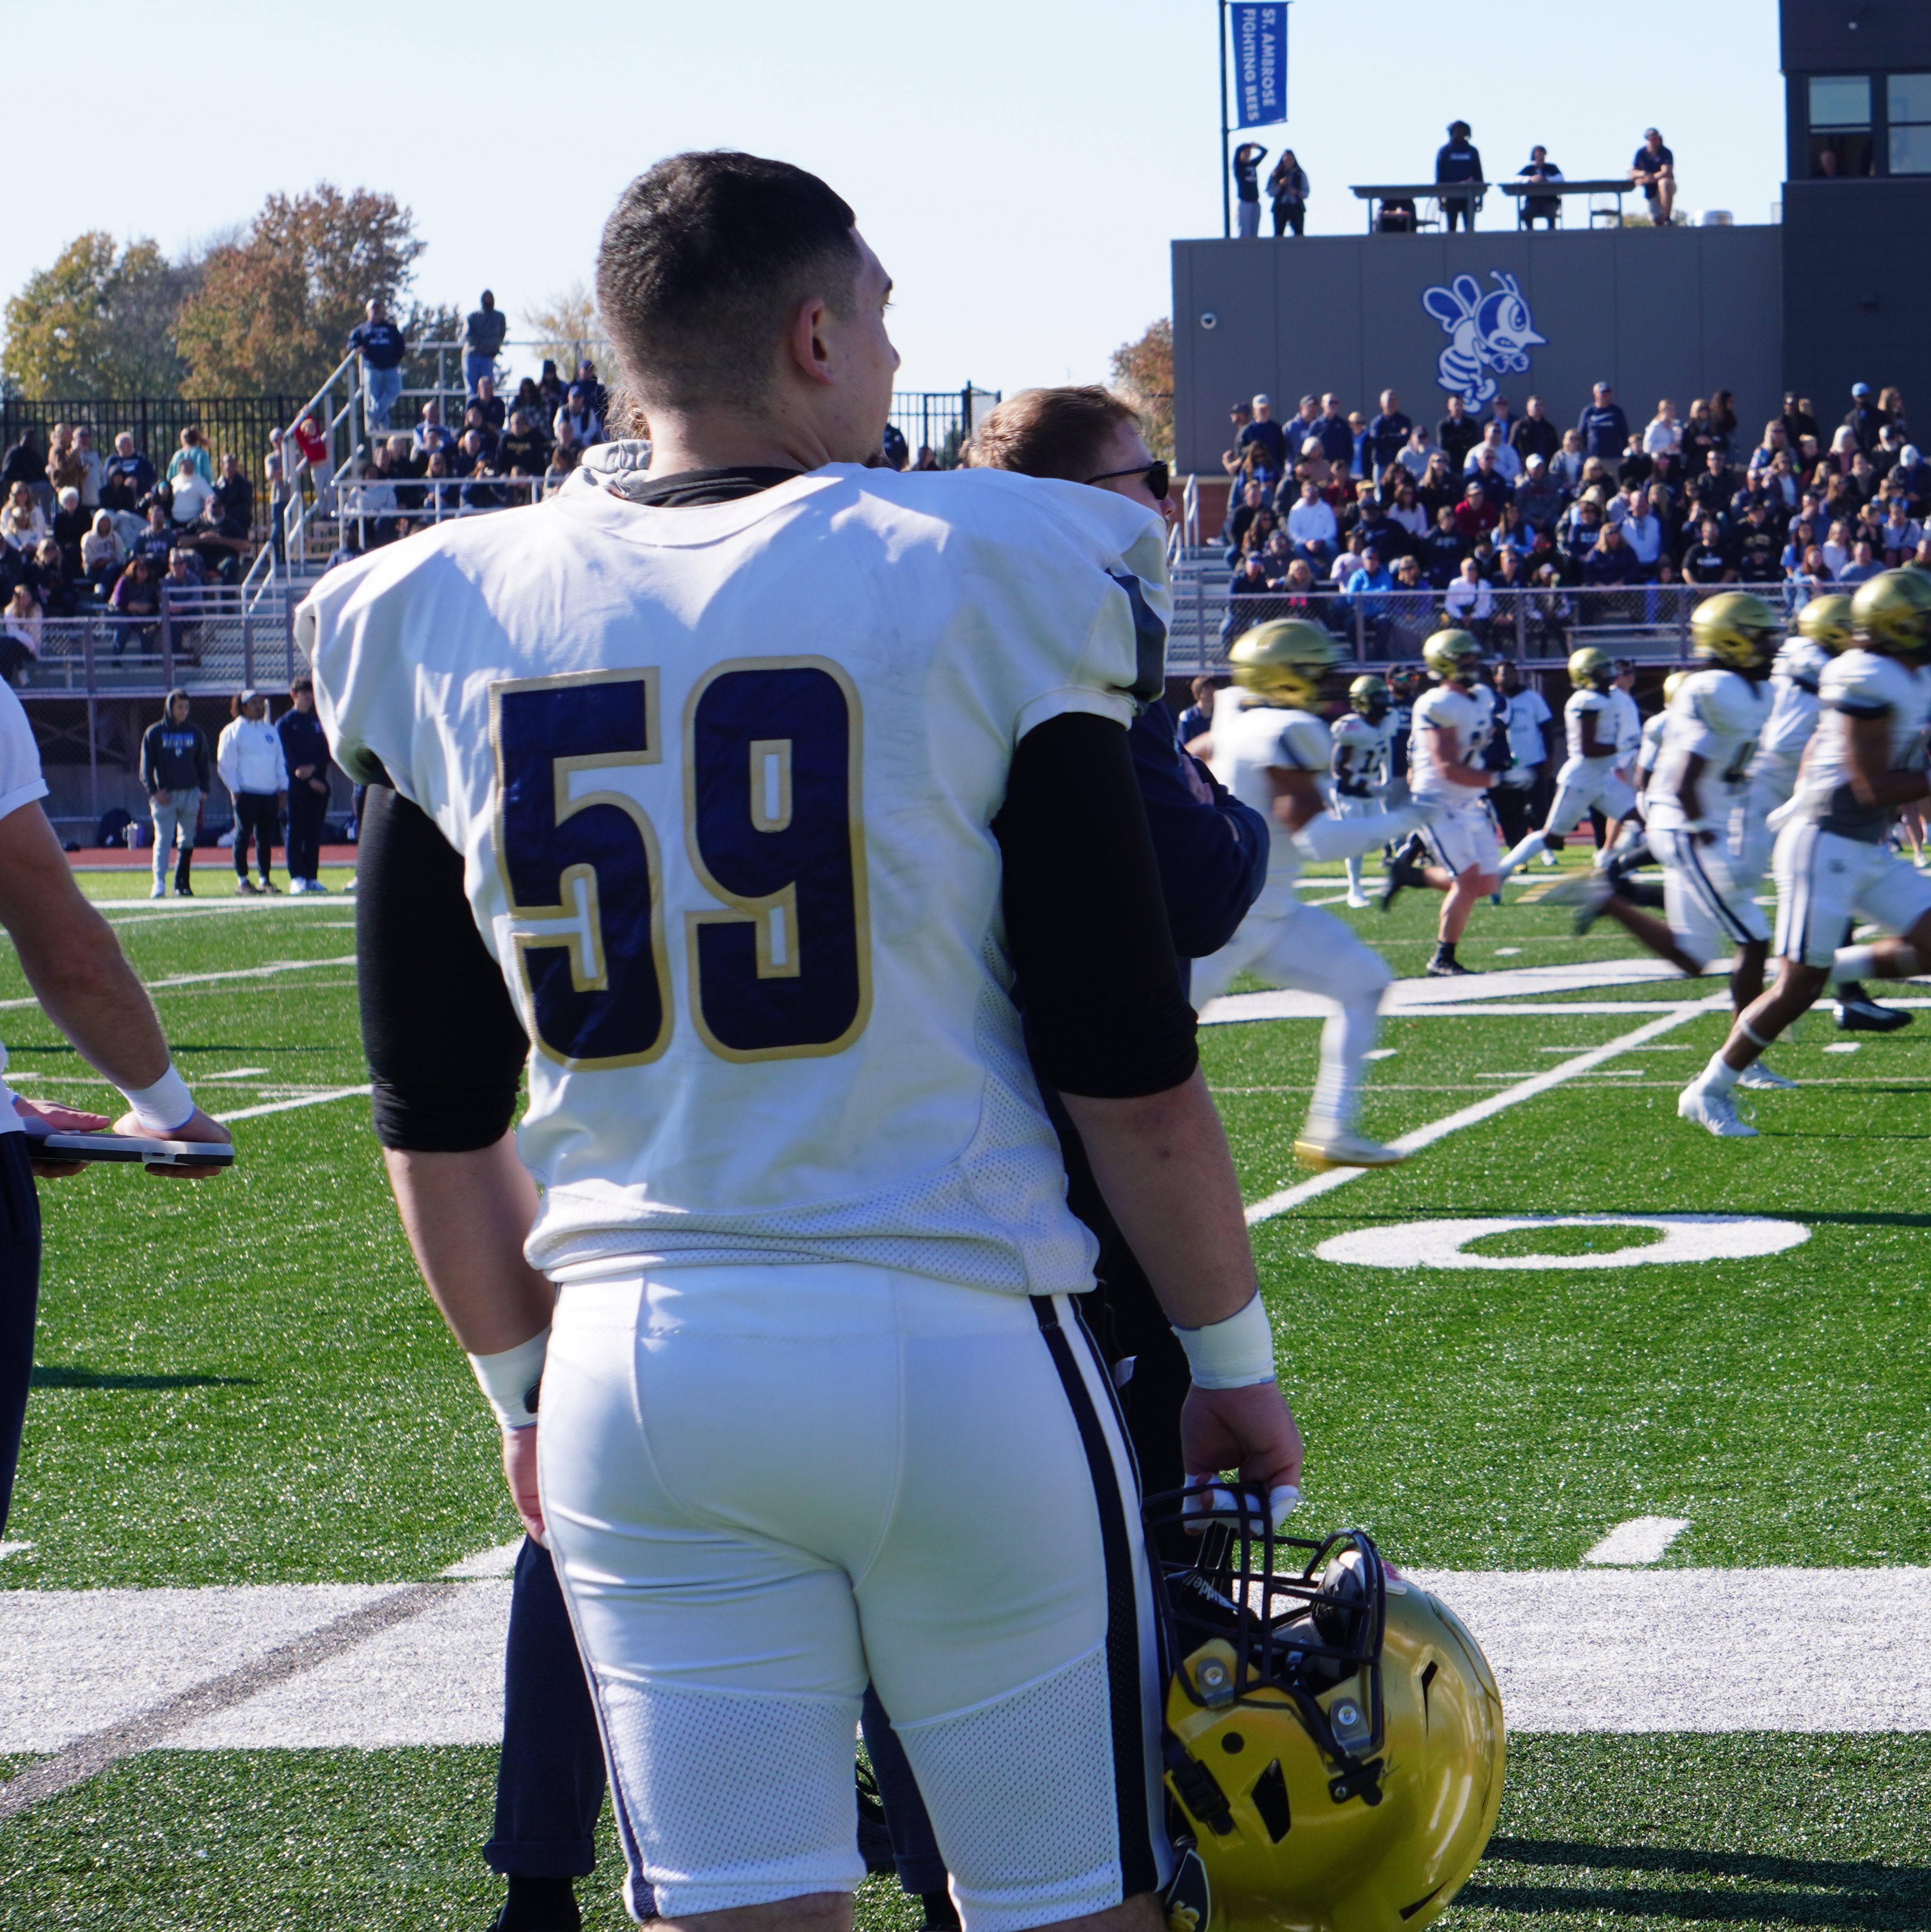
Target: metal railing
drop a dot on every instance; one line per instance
(204, 639)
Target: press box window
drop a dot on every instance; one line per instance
(1840, 125)
(1907, 108)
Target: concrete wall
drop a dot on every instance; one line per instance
(1677, 312)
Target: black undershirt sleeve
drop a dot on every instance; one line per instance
(1085, 922)
(445, 1047)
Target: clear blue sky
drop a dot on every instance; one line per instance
(1021, 165)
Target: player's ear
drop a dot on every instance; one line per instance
(807, 343)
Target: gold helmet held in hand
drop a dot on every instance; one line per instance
(1734, 628)
(1827, 621)
(1454, 656)
(1283, 662)
(1891, 612)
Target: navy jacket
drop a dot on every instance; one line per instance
(1605, 431)
(304, 743)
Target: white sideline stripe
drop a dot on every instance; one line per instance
(134, 912)
(205, 979)
(1509, 1096)
(1643, 1539)
(500, 1562)
(13, 1549)
(1575, 1650)
(288, 1106)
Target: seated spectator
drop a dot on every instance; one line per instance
(1780, 484)
(1492, 455)
(431, 432)
(583, 423)
(1414, 454)
(564, 458)
(70, 524)
(1512, 573)
(1457, 433)
(1566, 465)
(126, 477)
(1863, 477)
(1440, 487)
(64, 470)
(440, 496)
(550, 388)
(1579, 526)
(53, 588)
(491, 404)
(1540, 498)
(1922, 561)
(1707, 559)
(1641, 532)
(1406, 512)
(155, 541)
(1484, 470)
(594, 393)
(193, 493)
(19, 634)
(473, 462)
(1252, 501)
(193, 455)
(1664, 432)
(1277, 553)
(101, 555)
(473, 424)
(1775, 443)
(1300, 594)
(1477, 513)
(1804, 576)
(1799, 538)
(1609, 562)
(1512, 533)
(1757, 546)
(1367, 590)
(135, 600)
(1836, 547)
(1903, 533)
(1863, 566)
(1637, 465)
(1312, 529)
(1469, 601)
(1250, 582)
(22, 526)
(1411, 607)
(520, 447)
(1441, 552)
(1377, 528)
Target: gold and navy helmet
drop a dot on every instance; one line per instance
(1590, 666)
(1672, 685)
(1335, 1737)
(1454, 656)
(1283, 662)
(1734, 629)
(1827, 621)
(1891, 612)
(1370, 696)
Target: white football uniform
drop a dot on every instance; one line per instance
(1795, 673)
(1647, 755)
(1583, 782)
(21, 783)
(722, 779)
(1463, 832)
(1709, 891)
(1282, 940)
(1832, 862)
(1361, 767)
(1629, 728)
(1522, 715)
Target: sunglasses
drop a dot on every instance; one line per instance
(1158, 480)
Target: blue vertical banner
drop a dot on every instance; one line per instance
(1260, 63)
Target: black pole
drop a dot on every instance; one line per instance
(1226, 162)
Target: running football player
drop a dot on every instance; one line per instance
(1592, 719)
(747, 777)
(1832, 861)
(1272, 748)
(1457, 852)
(1405, 684)
(1361, 735)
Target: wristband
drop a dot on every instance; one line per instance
(1234, 1354)
(162, 1107)
(510, 1381)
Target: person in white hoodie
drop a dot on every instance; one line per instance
(248, 755)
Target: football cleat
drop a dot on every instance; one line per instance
(247, 888)
(1867, 1016)
(1358, 902)
(159, 892)
(1597, 893)
(1448, 969)
(1341, 1147)
(184, 892)
(1403, 871)
(1333, 1737)
(1712, 1110)
(1758, 1075)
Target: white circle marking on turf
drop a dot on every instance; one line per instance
(1685, 1237)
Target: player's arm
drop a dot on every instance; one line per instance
(1297, 796)
(446, 1053)
(1593, 746)
(1867, 763)
(1444, 743)
(1113, 1033)
(82, 978)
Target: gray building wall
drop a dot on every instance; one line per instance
(1678, 312)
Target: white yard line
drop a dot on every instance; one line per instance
(1643, 1539)
(1538, 1084)
(134, 912)
(289, 1106)
(500, 1562)
(208, 978)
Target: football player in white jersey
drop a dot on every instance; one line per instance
(1595, 723)
(1832, 861)
(1628, 720)
(750, 780)
(1457, 852)
(1273, 751)
(1361, 735)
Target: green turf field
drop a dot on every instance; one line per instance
(243, 1382)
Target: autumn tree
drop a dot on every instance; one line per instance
(568, 326)
(99, 322)
(274, 310)
(1143, 372)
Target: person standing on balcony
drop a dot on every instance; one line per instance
(1247, 159)
(482, 342)
(1288, 187)
(175, 769)
(1458, 159)
(382, 346)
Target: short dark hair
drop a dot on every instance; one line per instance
(702, 261)
(301, 681)
(1050, 432)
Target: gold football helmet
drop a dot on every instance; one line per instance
(1827, 621)
(1734, 629)
(1590, 666)
(1370, 697)
(1891, 612)
(1334, 1737)
(1454, 656)
(1672, 685)
(1283, 662)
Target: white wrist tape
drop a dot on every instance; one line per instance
(1234, 1354)
(510, 1381)
(162, 1107)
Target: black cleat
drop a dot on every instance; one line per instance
(1599, 892)
(1448, 969)
(1403, 870)
(1863, 1015)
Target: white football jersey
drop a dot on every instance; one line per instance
(21, 783)
(1629, 725)
(1652, 744)
(722, 779)
(1360, 754)
(1861, 684)
(1249, 739)
(1471, 717)
(1581, 703)
(1716, 715)
(1794, 677)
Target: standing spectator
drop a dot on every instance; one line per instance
(174, 768)
(1312, 529)
(1388, 433)
(582, 422)
(128, 476)
(1798, 422)
(65, 471)
(248, 755)
(1864, 421)
(1288, 187)
(594, 394)
(93, 469)
(1723, 414)
(1492, 453)
(1700, 436)
(1642, 531)
(382, 346)
(1567, 466)
(1603, 428)
(1332, 430)
(1540, 497)
(1266, 435)
(1246, 164)
(1664, 433)
(1654, 170)
(482, 341)
(491, 404)
(550, 385)
(1457, 434)
(1457, 160)
(71, 523)
(305, 756)
(23, 462)
(193, 455)
(193, 493)
(1534, 434)
(1233, 458)
(313, 444)
(1544, 208)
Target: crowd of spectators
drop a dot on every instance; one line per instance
(1341, 510)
